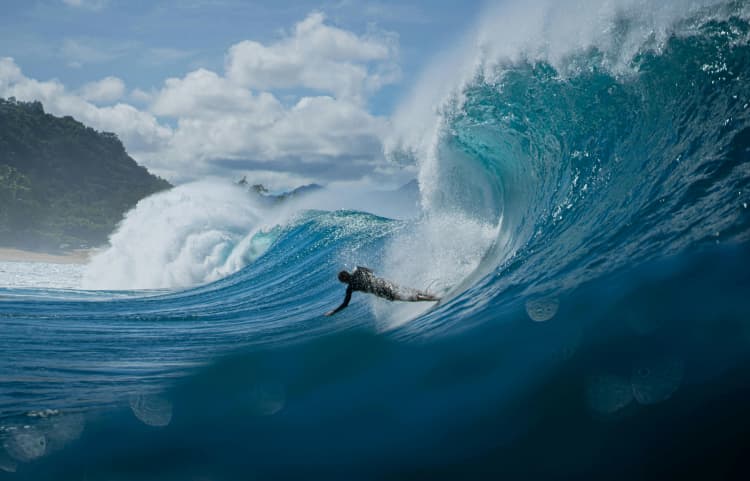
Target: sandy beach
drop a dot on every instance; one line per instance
(79, 256)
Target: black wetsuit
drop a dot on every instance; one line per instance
(362, 279)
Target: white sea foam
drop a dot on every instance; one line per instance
(192, 234)
(151, 409)
(435, 253)
(201, 232)
(40, 275)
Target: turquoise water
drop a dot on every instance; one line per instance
(588, 227)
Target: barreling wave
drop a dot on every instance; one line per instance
(627, 143)
(576, 147)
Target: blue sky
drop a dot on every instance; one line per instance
(144, 42)
(107, 62)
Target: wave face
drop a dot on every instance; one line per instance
(584, 214)
(592, 167)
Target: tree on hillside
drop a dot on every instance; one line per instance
(61, 181)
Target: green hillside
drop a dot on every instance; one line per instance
(62, 182)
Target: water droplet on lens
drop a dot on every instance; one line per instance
(267, 400)
(542, 309)
(152, 410)
(7, 464)
(655, 380)
(62, 429)
(608, 394)
(26, 444)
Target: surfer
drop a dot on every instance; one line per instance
(363, 280)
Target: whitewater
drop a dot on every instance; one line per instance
(583, 179)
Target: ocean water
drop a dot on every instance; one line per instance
(584, 181)
(41, 274)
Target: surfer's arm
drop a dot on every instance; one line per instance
(344, 304)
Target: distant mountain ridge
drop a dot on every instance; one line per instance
(63, 183)
(265, 194)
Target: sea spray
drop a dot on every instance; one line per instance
(434, 254)
(577, 120)
(203, 231)
(192, 234)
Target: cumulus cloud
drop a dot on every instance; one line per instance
(317, 56)
(232, 123)
(203, 93)
(236, 121)
(105, 90)
(141, 96)
(223, 125)
(318, 137)
(140, 131)
(10, 73)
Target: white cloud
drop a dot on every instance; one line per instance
(326, 126)
(317, 129)
(203, 93)
(140, 131)
(319, 57)
(208, 123)
(141, 96)
(105, 90)
(9, 72)
(222, 123)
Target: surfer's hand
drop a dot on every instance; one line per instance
(329, 313)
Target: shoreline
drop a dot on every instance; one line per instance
(76, 256)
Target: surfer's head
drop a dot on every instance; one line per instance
(344, 277)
